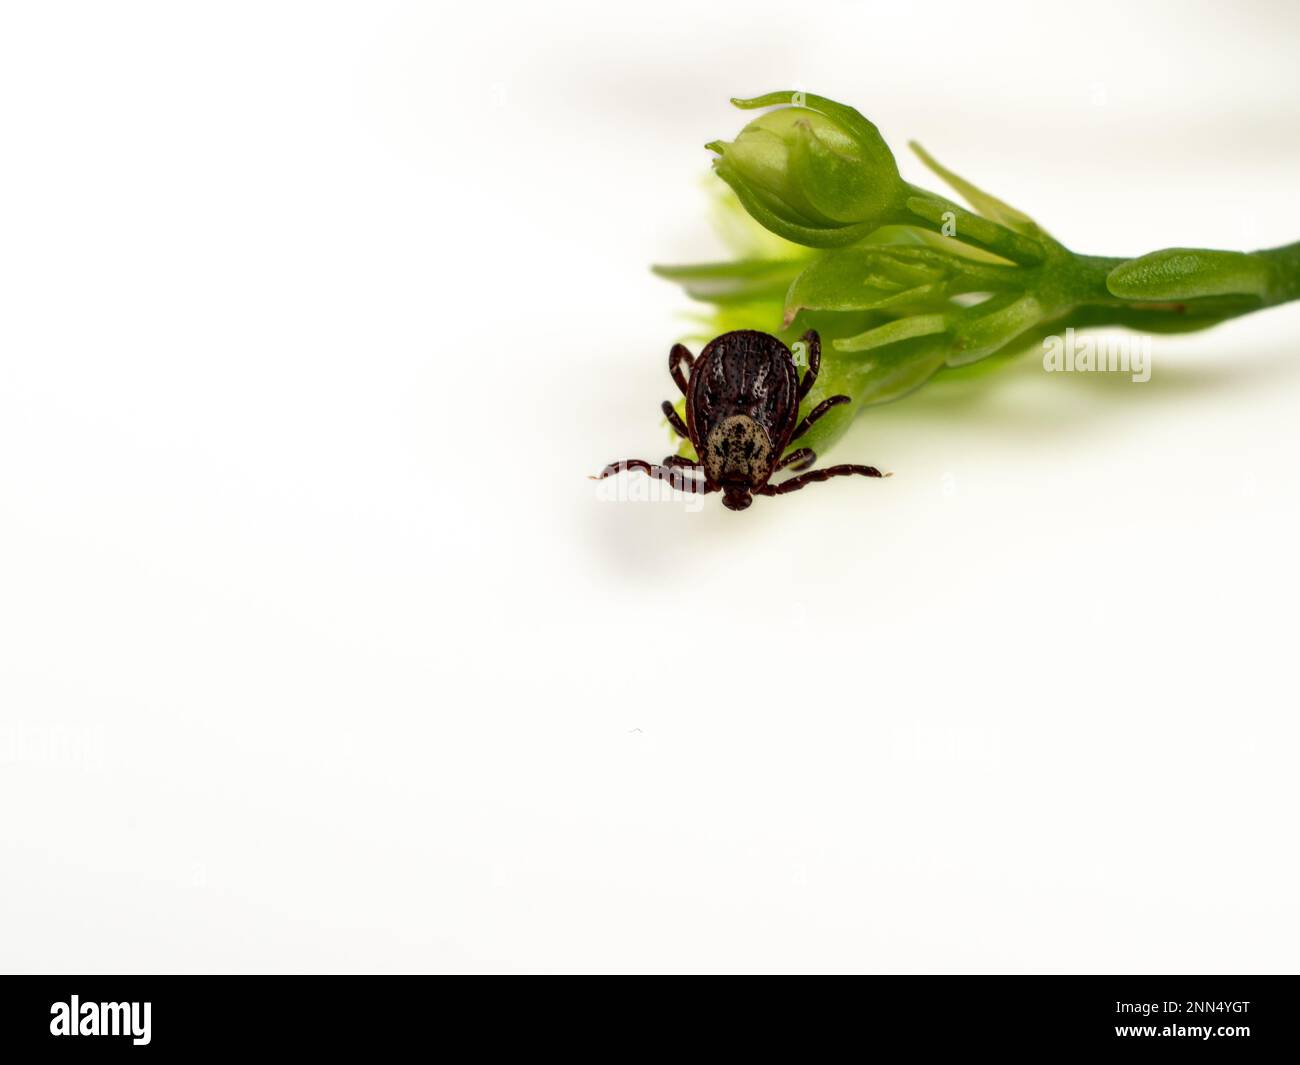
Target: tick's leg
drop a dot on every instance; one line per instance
(805, 479)
(674, 419)
(672, 475)
(684, 464)
(798, 460)
(680, 354)
(814, 343)
(818, 411)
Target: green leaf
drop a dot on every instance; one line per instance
(852, 279)
(989, 206)
(918, 325)
(743, 280)
(985, 328)
(1187, 273)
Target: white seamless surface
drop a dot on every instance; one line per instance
(318, 651)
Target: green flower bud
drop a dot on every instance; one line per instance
(816, 173)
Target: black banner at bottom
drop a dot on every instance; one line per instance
(143, 1015)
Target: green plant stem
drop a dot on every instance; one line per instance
(1284, 263)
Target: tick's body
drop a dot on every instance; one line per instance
(741, 404)
(742, 410)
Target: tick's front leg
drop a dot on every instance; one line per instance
(821, 408)
(674, 419)
(680, 354)
(814, 344)
(673, 475)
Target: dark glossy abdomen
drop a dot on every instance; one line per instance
(742, 405)
(747, 373)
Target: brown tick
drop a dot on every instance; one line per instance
(742, 405)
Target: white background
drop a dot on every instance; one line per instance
(318, 651)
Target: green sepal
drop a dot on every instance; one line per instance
(987, 205)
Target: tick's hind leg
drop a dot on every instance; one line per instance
(816, 415)
(814, 344)
(805, 479)
(798, 460)
(679, 354)
(674, 419)
(682, 463)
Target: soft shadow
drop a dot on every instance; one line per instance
(1017, 396)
